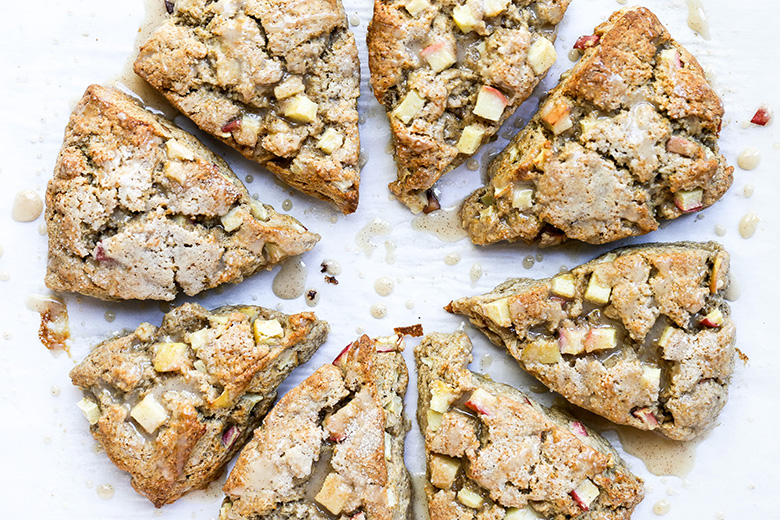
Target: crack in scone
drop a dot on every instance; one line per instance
(449, 73)
(641, 335)
(333, 446)
(140, 209)
(628, 138)
(278, 81)
(172, 405)
(492, 452)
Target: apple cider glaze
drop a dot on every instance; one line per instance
(444, 223)
(748, 225)
(54, 330)
(697, 18)
(27, 207)
(290, 281)
(749, 158)
(377, 227)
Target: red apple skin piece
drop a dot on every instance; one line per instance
(579, 501)
(586, 42)
(497, 93)
(644, 414)
(687, 210)
(337, 361)
(579, 429)
(232, 125)
(762, 116)
(480, 402)
(713, 324)
(681, 146)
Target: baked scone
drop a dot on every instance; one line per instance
(627, 138)
(641, 335)
(140, 209)
(493, 453)
(172, 405)
(449, 73)
(278, 80)
(332, 447)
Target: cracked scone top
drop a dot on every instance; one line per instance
(493, 453)
(278, 80)
(449, 73)
(172, 405)
(332, 447)
(641, 335)
(140, 209)
(628, 138)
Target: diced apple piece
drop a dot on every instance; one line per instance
(541, 55)
(198, 339)
(442, 396)
(171, 357)
(652, 376)
(495, 7)
(672, 58)
(602, 338)
(409, 107)
(563, 285)
(301, 109)
(586, 42)
(470, 499)
(665, 336)
(542, 157)
(233, 219)
(715, 281)
(90, 409)
(330, 141)
(334, 493)
(464, 18)
(223, 401)
(577, 428)
(434, 420)
(415, 7)
(443, 471)
(689, 200)
(388, 446)
(572, 340)
(523, 199)
(498, 311)
(762, 117)
(250, 128)
(265, 330)
(289, 87)
(481, 401)
(597, 292)
(526, 513)
(149, 413)
(713, 319)
(556, 115)
(470, 140)
(546, 352)
(646, 416)
(490, 103)
(439, 56)
(585, 494)
(587, 124)
(200, 366)
(681, 146)
(175, 149)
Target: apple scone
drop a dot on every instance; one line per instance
(278, 80)
(627, 138)
(493, 453)
(641, 335)
(140, 209)
(332, 447)
(171, 405)
(449, 73)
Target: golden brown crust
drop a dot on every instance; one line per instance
(132, 206)
(426, 146)
(236, 71)
(626, 139)
(210, 402)
(669, 363)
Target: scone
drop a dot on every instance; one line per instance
(641, 335)
(278, 80)
(140, 209)
(332, 447)
(493, 453)
(628, 138)
(172, 405)
(449, 73)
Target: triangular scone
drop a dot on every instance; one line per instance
(333, 446)
(278, 80)
(628, 138)
(172, 405)
(641, 335)
(449, 73)
(493, 453)
(140, 209)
